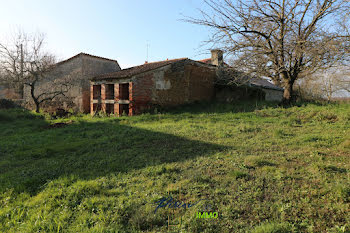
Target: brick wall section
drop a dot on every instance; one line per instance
(131, 106)
(103, 97)
(92, 67)
(178, 93)
(141, 92)
(116, 99)
(201, 83)
(189, 83)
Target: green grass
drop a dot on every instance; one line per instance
(262, 168)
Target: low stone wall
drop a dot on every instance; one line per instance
(237, 93)
(273, 95)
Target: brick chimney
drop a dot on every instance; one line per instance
(217, 57)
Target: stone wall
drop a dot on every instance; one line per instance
(70, 69)
(141, 92)
(232, 93)
(78, 70)
(273, 95)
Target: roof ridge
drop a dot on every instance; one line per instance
(87, 54)
(150, 63)
(139, 69)
(175, 59)
(104, 58)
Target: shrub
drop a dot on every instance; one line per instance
(7, 104)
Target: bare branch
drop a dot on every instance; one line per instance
(284, 40)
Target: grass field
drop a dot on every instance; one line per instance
(260, 167)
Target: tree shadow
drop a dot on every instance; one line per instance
(222, 107)
(87, 150)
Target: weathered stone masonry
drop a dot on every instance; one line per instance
(81, 68)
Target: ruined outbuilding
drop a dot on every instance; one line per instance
(140, 88)
(169, 83)
(80, 68)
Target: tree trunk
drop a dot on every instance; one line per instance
(36, 102)
(277, 82)
(288, 93)
(37, 107)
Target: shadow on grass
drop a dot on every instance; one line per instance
(31, 158)
(221, 107)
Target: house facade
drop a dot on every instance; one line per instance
(166, 83)
(79, 69)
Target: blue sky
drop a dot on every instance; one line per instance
(118, 29)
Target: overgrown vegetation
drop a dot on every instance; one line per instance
(262, 168)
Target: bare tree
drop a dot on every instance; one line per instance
(25, 62)
(284, 40)
(11, 63)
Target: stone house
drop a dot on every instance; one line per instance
(81, 67)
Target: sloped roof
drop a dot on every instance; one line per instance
(89, 55)
(241, 78)
(260, 82)
(129, 72)
(206, 61)
(125, 73)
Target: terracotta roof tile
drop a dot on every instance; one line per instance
(125, 73)
(206, 61)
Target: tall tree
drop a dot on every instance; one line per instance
(24, 61)
(284, 40)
